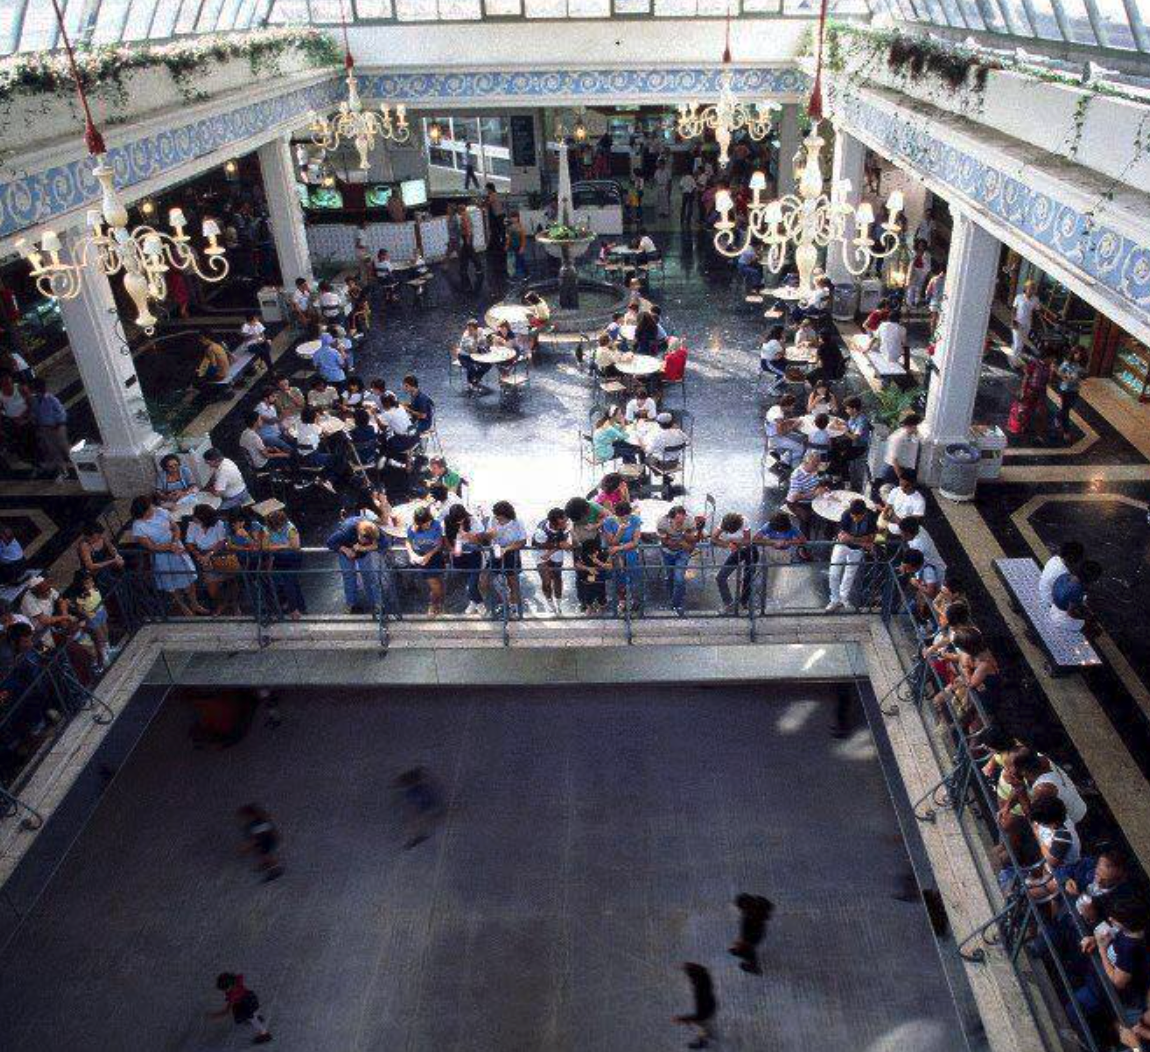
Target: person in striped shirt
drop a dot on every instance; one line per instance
(805, 485)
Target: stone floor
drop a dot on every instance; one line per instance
(592, 842)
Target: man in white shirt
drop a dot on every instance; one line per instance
(641, 406)
(914, 536)
(1022, 318)
(39, 607)
(255, 340)
(226, 481)
(901, 454)
(904, 502)
(301, 303)
(890, 339)
(258, 451)
(647, 246)
(329, 303)
(1069, 558)
(783, 435)
(667, 437)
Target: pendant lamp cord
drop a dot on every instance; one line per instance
(815, 105)
(92, 137)
(348, 61)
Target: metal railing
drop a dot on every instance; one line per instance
(1035, 919)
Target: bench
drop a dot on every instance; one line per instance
(884, 367)
(1065, 646)
(241, 363)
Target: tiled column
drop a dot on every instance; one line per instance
(849, 158)
(108, 373)
(971, 270)
(788, 145)
(284, 211)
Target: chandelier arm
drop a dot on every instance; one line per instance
(727, 244)
(213, 267)
(852, 249)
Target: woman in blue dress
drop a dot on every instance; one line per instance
(173, 569)
(621, 535)
(425, 551)
(173, 481)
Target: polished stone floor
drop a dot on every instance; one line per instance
(592, 841)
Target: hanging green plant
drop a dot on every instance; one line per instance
(186, 61)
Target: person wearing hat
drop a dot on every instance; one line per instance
(665, 448)
(41, 606)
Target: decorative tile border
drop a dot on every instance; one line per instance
(541, 86)
(1081, 243)
(40, 197)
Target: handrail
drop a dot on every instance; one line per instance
(1020, 919)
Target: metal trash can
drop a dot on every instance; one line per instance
(870, 292)
(959, 477)
(270, 300)
(845, 304)
(991, 443)
(85, 457)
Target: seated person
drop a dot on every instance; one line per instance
(675, 361)
(330, 363)
(646, 334)
(661, 336)
(610, 440)
(303, 313)
(783, 430)
(830, 363)
(373, 396)
(287, 400)
(255, 339)
(215, 361)
(749, 267)
(641, 406)
(309, 447)
(1068, 559)
(773, 359)
(344, 344)
(613, 327)
(173, 481)
(471, 343)
(806, 483)
(329, 304)
(321, 396)
(856, 443)
(904, 501)
(539, 313)
(1068, 599)
(807, 334)
(419, 405)
(259, 452)
(385, 276)
(822, 399)
(503, 336)
(819, 303)
(819, 440)
(607, 355)
(1120, 945)
(364, 438)
(669, 437)
(269, 426)
(877, 317)
(353, 394)
(646, 247)
(400, 437)
(359, 317)
(438, 473)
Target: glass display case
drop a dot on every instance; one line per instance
(1132, 368)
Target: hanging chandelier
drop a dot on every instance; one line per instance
(352, 123)
(728, 115)
(812, 218)
(143, 255)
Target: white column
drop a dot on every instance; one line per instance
(971, 269)
(284, 211)
(849, 159)
(788, 146)
(108, 373)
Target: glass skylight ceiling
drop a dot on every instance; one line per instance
(29, 25)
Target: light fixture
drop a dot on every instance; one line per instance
(728, 115)
(810, 219)
(147, 208)
(144, 255)
(352, 123)
(231, 169)
(580, 130)
(896, 270)
(434, 133)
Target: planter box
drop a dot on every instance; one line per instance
(1043, 114)
(36, 121)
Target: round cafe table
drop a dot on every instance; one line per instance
(790, 293)
(641, 431)
(327, 423)
(836, 428)
(307, 350)
(495, 356)
(831, 506)
(188, 503)
(641, 365)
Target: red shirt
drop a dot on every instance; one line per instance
(235, 993)
(675, 363)
(875, 319)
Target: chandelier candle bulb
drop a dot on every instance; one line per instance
(50, 243)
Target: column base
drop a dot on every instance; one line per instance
(131, 473)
